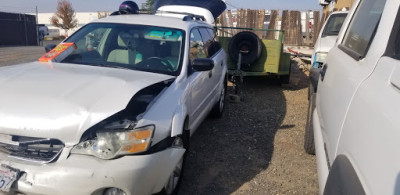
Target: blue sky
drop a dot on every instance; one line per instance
(28, 6)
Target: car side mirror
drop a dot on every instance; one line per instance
(203, 64)
(49, 47)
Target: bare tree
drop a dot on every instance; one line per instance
(65, 16)
(149, 5)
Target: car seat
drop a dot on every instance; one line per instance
(127, 53)
(173, 59)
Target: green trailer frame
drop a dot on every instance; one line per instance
(272, 61)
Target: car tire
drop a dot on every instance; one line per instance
(174, 181)
(309, 145)
(219, 107)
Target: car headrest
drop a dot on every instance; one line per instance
(175, 49)
(124, 39)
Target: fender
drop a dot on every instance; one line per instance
(343, 178)
(178, 121)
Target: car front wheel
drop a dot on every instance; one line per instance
(174, 180)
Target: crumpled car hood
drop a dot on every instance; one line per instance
(62, 101)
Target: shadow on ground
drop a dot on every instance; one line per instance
(228, 152)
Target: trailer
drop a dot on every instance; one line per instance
(268, 59)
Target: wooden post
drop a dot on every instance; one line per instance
(260, 22)
(317, 26)
(285, 26)
(272, 25)
(299, 33)
(292, 27)
(230, 23)
(222, 20)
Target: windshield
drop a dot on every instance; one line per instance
(334, 24)
(137, 47)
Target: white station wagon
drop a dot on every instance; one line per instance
(115, 115)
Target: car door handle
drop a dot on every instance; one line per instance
(323, 71)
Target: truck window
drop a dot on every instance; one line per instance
(363, 26)
(334, 24)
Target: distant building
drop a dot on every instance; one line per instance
(82, 17)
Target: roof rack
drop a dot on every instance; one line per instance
(192, 17)
(188, 17)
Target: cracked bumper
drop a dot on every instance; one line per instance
(80, 174)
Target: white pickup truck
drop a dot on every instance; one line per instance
(356, 120)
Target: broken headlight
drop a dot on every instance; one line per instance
(111, 144)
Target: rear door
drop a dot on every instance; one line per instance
(347, 66)
(214, 54)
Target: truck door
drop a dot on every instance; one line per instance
(348, 64)
(371, 131)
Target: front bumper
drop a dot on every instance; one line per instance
(81, 174)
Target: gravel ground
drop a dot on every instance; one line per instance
(257, 147)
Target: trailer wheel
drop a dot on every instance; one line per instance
(245, 41)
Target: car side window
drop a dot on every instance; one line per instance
(197, 49)
(213, 34)
(207, 39)
(216, 46)
(334, 24)
(363, 26)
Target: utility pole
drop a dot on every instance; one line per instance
(37, 19)
(37, 22)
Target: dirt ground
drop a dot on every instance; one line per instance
(257, 146)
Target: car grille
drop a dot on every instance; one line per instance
(40, 150)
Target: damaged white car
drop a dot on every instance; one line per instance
(114, 116)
